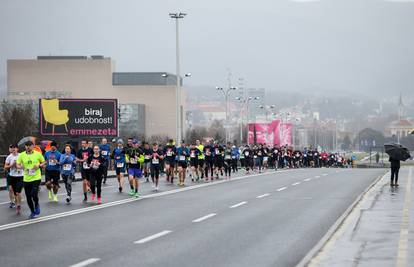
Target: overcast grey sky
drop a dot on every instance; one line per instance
(277, 44)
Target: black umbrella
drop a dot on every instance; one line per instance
(397, 151)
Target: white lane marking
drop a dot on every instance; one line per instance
(264, 195)
(317, 176)
(296, 183)
(85, 262)
(8, 202)
(325, 174)
(208, 216)
(281, 189)
(238, 204)
(152, 237)
(307, 180)
(124, 201)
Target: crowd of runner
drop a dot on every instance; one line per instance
(200, 162)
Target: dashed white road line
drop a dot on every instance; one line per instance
(294, 184)
(317, 176)
(325, 174)
(152, 237)
(238, 204)
(281, 189)
(208, 216)
(264, 195)
(307, 180)
(85, 262)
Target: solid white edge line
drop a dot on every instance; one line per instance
(297, 183)
(238, 204)
(152, 237)
(264, 195)
(124, 201)
(208, 216)
(307, 180)
(85, 262)
(281, 189)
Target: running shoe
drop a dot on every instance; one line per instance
(99, 200)
(37, 210)
(18, 210)
(132, 192)
(136, 195)
(120, 189)
(93, 197)
(68, 199)
(156, 188)
(85, 199)
(50, 195)
(55, 198)
(12, 205)
(32, 216)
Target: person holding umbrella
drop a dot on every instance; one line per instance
(395, 169)
(397, 153)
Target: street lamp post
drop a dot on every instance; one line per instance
(226, 99)
(267, 109)
(245, 106)
(178, 16)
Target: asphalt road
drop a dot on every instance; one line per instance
(272, 219)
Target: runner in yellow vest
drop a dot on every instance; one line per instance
(200, 158)
(31, 161)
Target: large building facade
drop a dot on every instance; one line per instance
(147, 101)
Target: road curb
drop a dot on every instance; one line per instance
(339, 222)
(2, 188)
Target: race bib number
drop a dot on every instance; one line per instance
(260, 153)
(208, 153)
(133, 161)
(85, 165)
(120, 165)
(67, 167)
(255, 156)
(246, 153)
(52, 163)
(169, 153)
(104, 153)
(182, 158)
(147, 156)
(265, 158)
(31, 172)
(228, 157)
(95, 166)
(155, 161)
(192, 155)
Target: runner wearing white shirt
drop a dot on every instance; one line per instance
(15, 176)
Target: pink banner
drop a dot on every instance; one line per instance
(270, 133)
(286, 135)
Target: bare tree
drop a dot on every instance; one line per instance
(16, 122)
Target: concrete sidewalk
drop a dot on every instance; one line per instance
(378, 231)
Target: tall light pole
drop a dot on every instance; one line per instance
(245, 106)
(178, 16)
(226, 93)
(267, 109)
